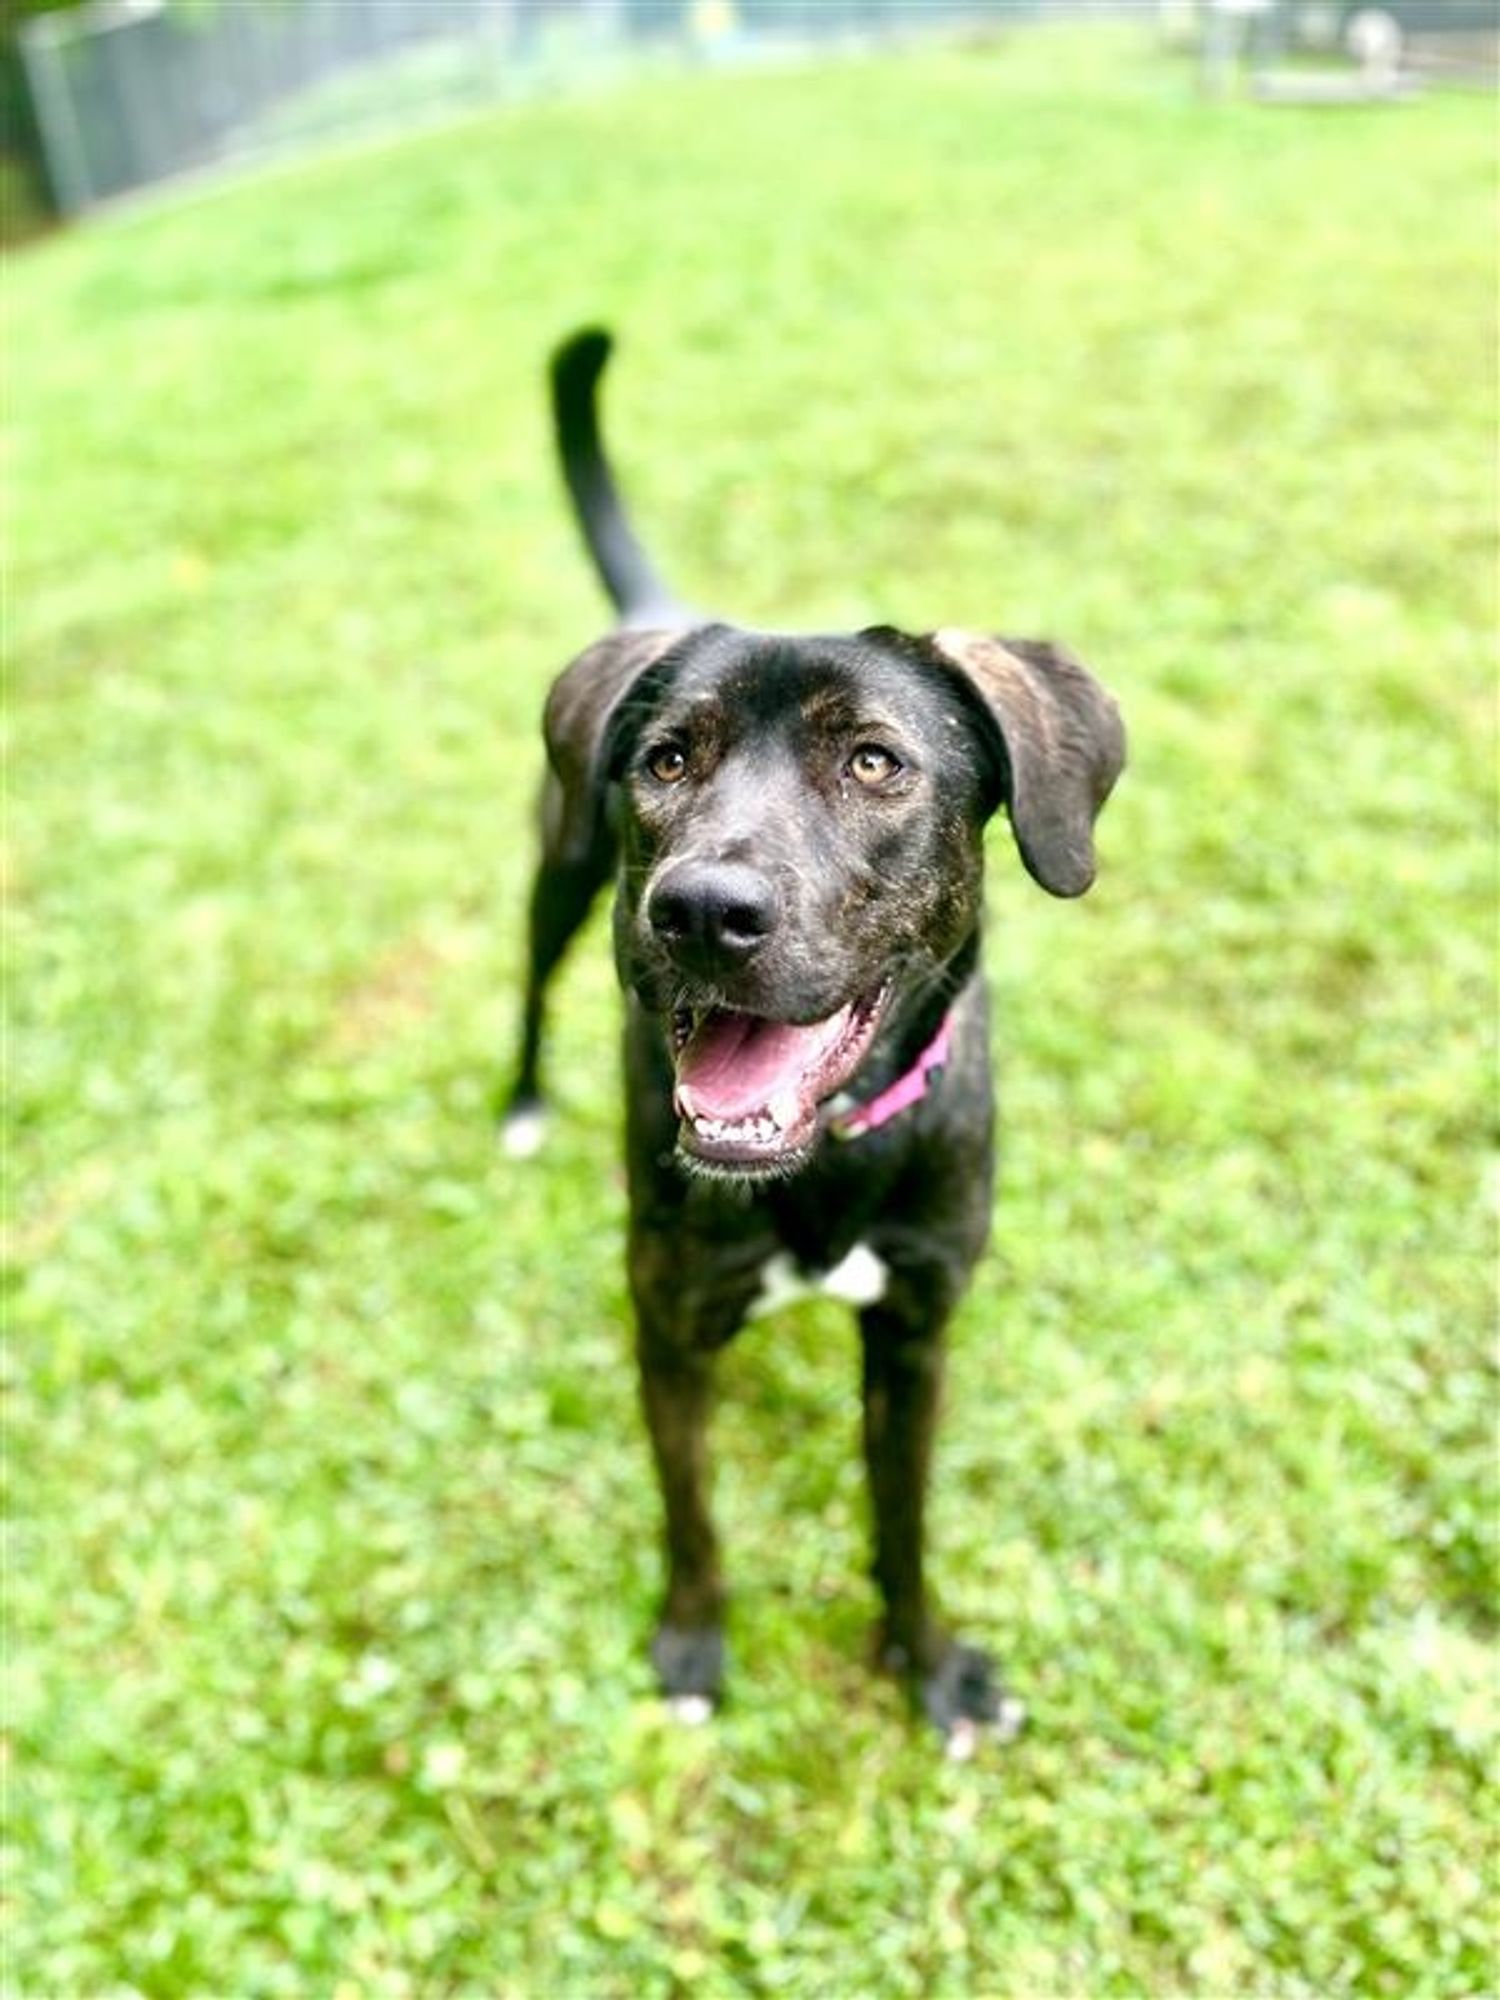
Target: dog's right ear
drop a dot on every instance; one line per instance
(584, 700)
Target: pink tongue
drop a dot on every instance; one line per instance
(736, 1065)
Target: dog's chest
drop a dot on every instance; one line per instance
(858, 1279)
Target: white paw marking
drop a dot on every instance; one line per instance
(963, 1740)
(860, 1280)
(1011, 1720)
(691, 1709)
(965, 1736)
(522, 1134)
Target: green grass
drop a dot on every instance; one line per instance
(333, 1544)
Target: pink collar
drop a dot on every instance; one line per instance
(902, 1094)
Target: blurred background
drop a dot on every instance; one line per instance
(1166, 331)
(110, 96)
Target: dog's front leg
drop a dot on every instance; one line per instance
(903, 1369)
(688, 1649)
(902, 1381)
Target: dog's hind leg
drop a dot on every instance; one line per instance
(561, 897)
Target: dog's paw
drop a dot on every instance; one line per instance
(965, 1702)
(523, 1131)
(960, 1695)
(689, 1664)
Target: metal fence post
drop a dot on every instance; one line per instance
(62, 141)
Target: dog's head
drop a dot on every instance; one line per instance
(800, 825)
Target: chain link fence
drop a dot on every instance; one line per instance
(133, 92)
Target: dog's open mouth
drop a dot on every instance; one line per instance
(748, 1089)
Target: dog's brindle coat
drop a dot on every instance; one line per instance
(797, 823)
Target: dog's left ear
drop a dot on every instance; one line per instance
(1063, 746)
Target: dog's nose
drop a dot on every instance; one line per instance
(719, 912)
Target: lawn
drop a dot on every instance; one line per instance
(333, 1542)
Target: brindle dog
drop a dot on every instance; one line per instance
(797, 823)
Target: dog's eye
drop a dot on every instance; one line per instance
(871, 765)
(667, 764)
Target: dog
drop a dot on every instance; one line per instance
(796, 824)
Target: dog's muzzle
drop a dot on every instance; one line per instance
(751, 1075)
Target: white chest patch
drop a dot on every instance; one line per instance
(858, 1281)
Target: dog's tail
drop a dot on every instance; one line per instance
(637, 592)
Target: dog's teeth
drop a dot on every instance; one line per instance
(783, 1110)
(761, 1130)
